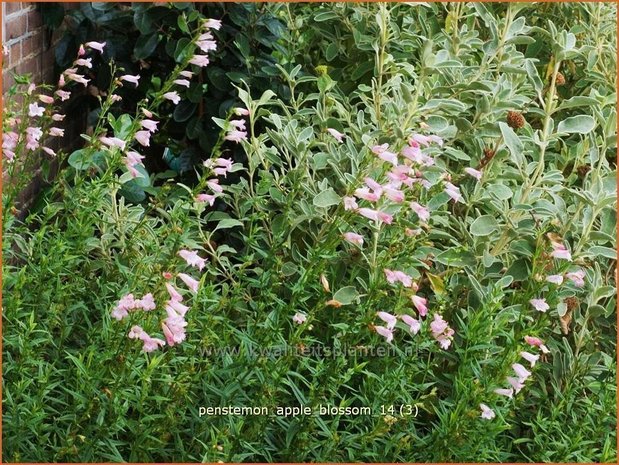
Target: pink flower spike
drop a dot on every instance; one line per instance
(299, 318)
(577, 277)
(190, 282)
(192, 258)
(388, 318)
(143, 137)
(555, 279)
(354, 238)
(486, 412)
(149, 124)
(473, 172)
(174, 295)
(521, 372)
(505, 392)
(422, 212)
(173, 97)
(95, 45)
(414, 324)
(210, 199)
(384, 332)
(539, 304)
(182, 82)
(35, 110)
(529, 357)
(350, 203)
(335, 133)
(421, 305)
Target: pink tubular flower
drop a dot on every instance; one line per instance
(149, 124)
(577, 277)
(529, 357)
(539, 304)
(384, 332)
(453, 192)
(385, 155)
(174, 306)
(354, 238)
(236, 136)
(388, 318)
(422, 212)
(212, 24)
(132, 159)
(426, 140)
(505, 392)
(113, 142)
(33, 135)
(413, 153)
(560, 251)
(206, 45)
(136, 332)
(240, 111)
(115, 98)
(132, 79)
(441, 331)
(35, 110)
(299, 318)
(473, 172)
(147, 302)
(147, 113)
(521, 372)
(515, 383)
(395, 195)
(57, 117)
(172, 96)
(238, 124)
(46, 99)
(190, 282)
(200, 60)
(95, 45)
(365, 194)
(174, 328)
(213, 184)
(192, 258)
(82, 51)
(414, 324)
(79, 78)
(350, 203)
(152, 343)
(63, 94)
(143, 137)
(555, 279)
(174, 295)
(56, 132)
(182, 82)
(87, 62)
(48, 151)
(486, 412)
(375, 215)
(124, 305)
(336, 134)
(209, 198)
(421, 305)
(536, 342)
(187, 74)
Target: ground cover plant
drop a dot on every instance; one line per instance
(396, 244)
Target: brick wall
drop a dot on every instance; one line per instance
(27, 41)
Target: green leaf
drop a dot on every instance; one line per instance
(514, 144)
(83, 159)
(484, 226)
(326, 199)
(227, 224)
(603, 251)
(145, 45)
(581, 124)
(347, 295)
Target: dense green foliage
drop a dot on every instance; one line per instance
(76, 389)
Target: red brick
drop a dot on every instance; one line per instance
(29, 66)
(12, 7)
(32, 44)
(14, 55)
(34, 20)
(15, 27)
(7, 81)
